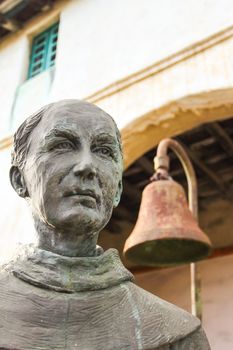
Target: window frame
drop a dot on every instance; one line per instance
(43, 51)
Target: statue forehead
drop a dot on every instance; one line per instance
(75, 114)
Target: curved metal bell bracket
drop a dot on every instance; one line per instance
(167, 231)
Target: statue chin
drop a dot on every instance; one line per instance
(83, 218)
(82, 223)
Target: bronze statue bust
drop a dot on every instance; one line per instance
(66, 292)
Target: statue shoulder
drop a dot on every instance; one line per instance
(162, 322)
(196, 340)
(9, 284)
(5, 274)
(7, 280)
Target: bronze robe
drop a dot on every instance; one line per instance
(48, 301)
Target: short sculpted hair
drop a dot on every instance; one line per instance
(20, 143)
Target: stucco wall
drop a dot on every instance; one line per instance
(201, 69)
(13, 60)
(102, 41)
(15, 222)
(108, 40)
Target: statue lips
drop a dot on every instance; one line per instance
(85, 196)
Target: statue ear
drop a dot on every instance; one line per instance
(118, 194)
(18, 182)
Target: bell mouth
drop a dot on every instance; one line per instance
(168, 252)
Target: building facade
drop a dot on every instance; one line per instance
(161, 69)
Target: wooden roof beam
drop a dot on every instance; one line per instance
(42, 5)
(131, 191)
(223, 187)
(222, 137)
(146, 165)
(133, 170)
(10, 24)
(121, 212)
(113, 226)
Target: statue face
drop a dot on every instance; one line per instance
(73, 169)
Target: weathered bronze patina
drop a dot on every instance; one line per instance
(166, 233)
(66, 293)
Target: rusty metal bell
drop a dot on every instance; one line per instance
(166, 233)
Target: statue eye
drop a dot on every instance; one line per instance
(64, 145)
(105, 151)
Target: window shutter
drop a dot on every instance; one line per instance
(52, 46)
(43, 52)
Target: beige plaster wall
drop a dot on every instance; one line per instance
(102, 42)
(173, 285)
(15, 221)
(201, 69)
(13, 59)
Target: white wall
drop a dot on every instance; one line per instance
(107, 40)
(15, 221)
(102, 41)
(13, 60)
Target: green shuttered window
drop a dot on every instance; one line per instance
(44, 49)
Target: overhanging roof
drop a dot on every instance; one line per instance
(14, 14)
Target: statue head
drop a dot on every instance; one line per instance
(67, 162)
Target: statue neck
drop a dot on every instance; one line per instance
(69, 244)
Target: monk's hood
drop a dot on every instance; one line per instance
(69, 274)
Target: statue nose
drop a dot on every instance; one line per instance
(85, 168)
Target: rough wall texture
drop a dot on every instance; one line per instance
(101, 42)
(113, 39)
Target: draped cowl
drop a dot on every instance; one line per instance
(48, 301)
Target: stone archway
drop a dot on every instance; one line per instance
(174, 118)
